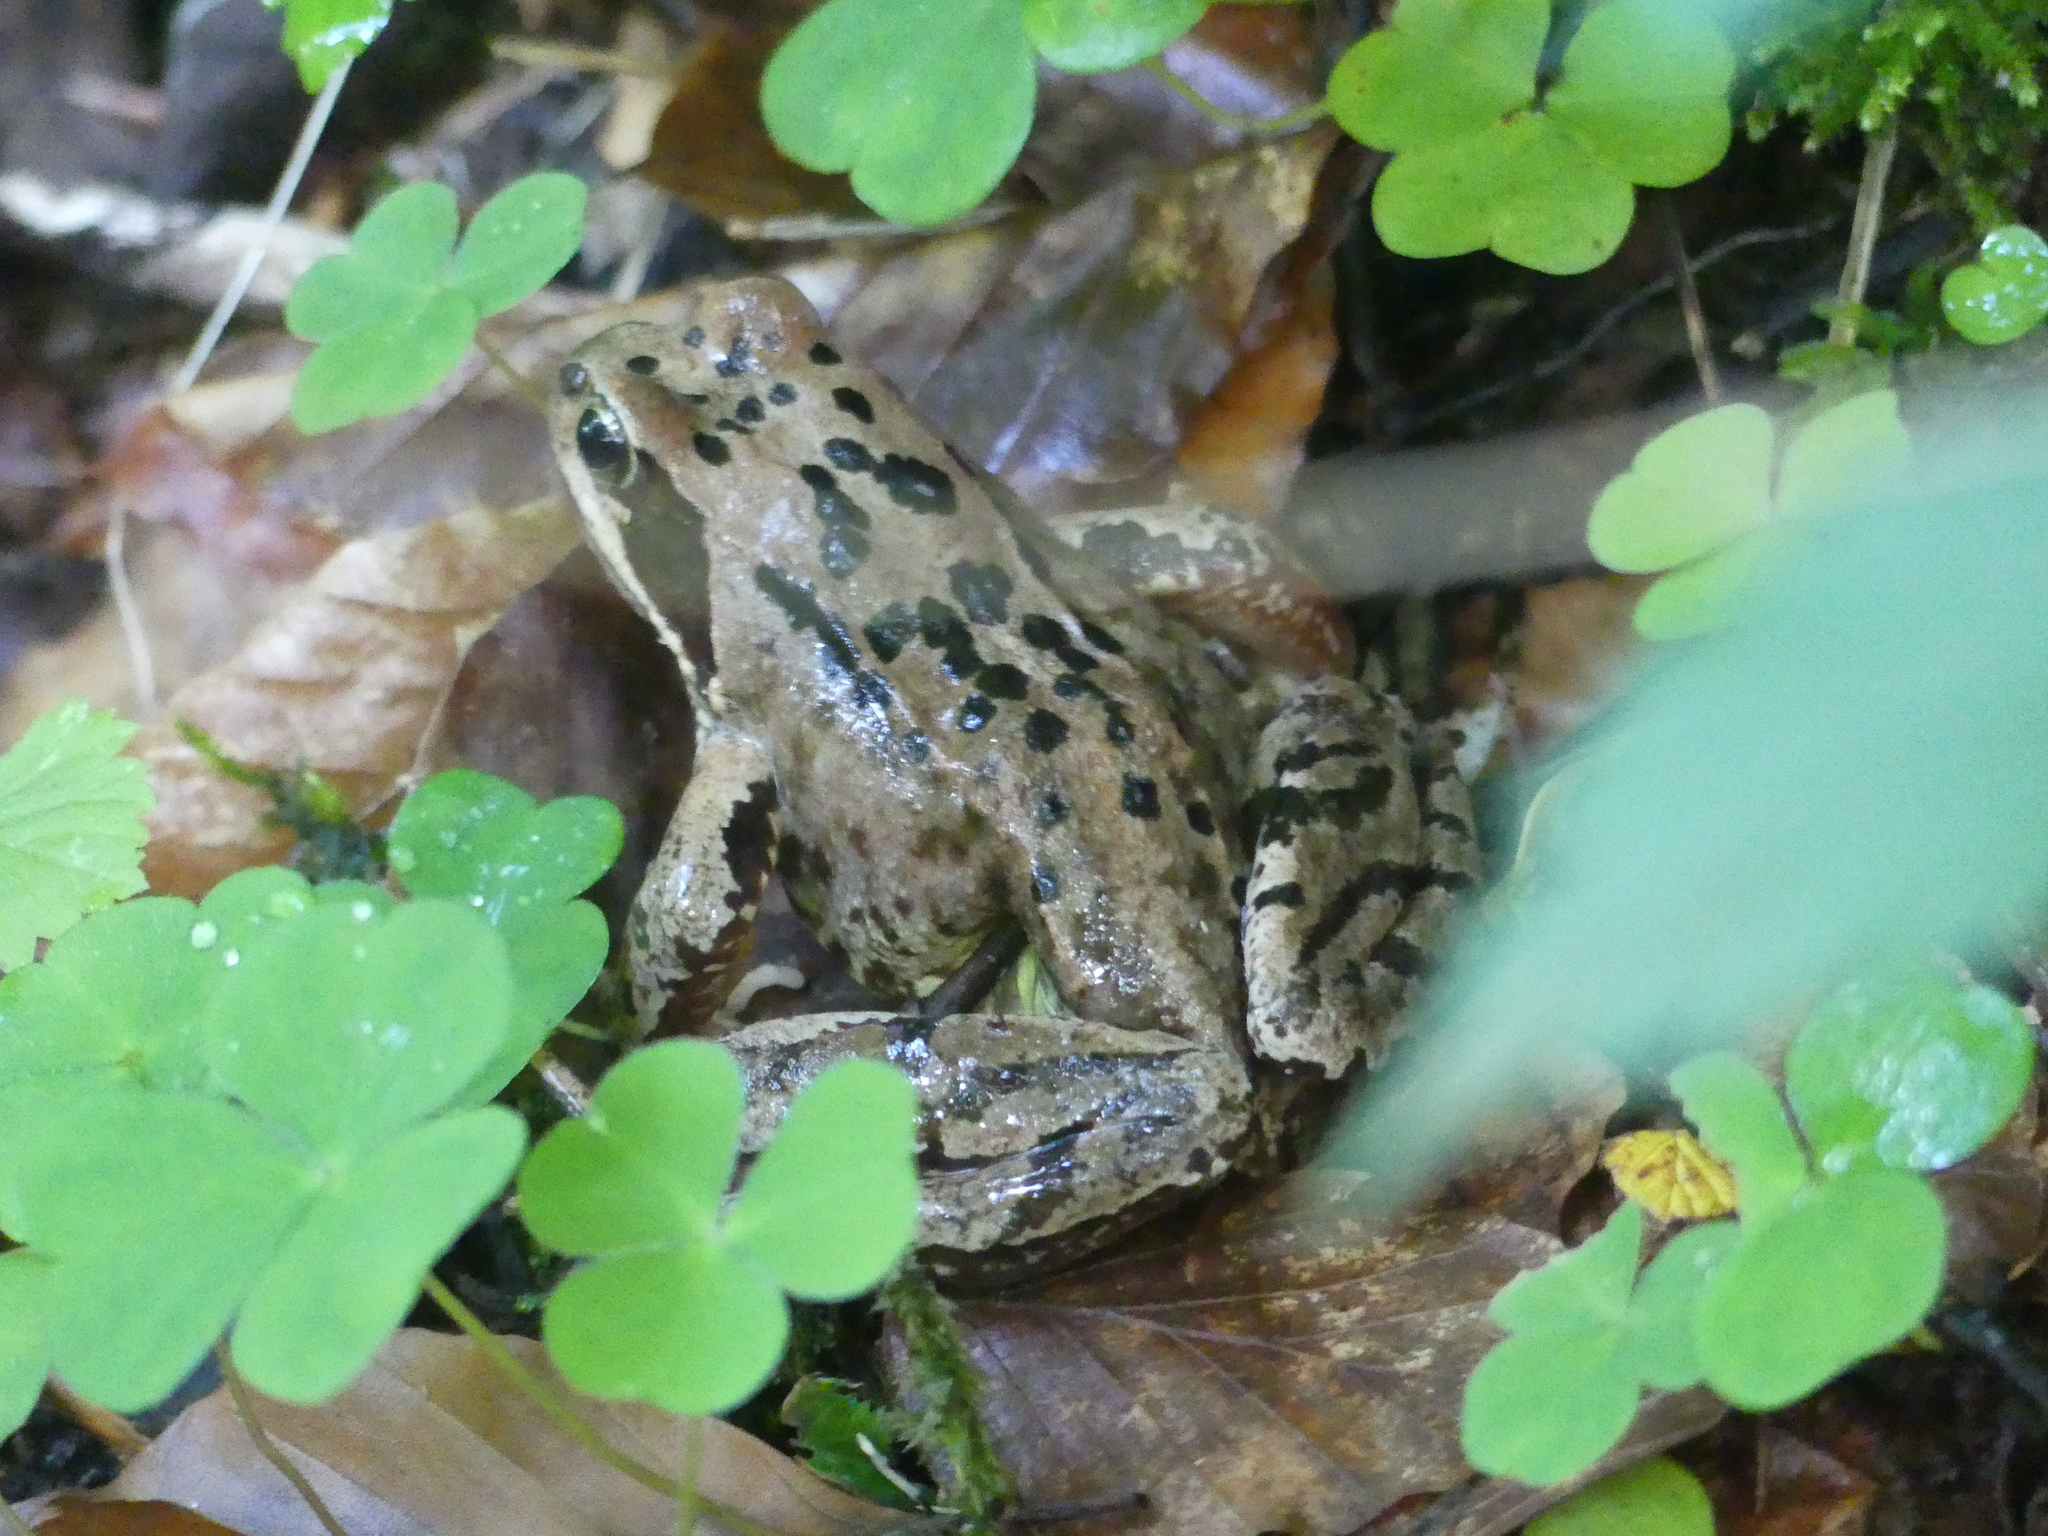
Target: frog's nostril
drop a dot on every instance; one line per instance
(601, 444)
(574, 378)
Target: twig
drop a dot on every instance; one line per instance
(245, 1408)
(1243, 122)
(1689, 304)
(686, 1486)
(1863, 226)
(14, 1522)
(528, 390)
(141, 660)
(273, 215)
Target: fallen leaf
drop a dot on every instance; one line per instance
(431, 1438)
(73, 1515)
(346, 679)
(1285, 1368)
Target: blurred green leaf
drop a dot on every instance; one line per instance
(1851, 1267)
(71, 827)
(1663, 1349)
(926, 102)
(1741, 1121)
(1089, 36)
(24, 1335)
(1908, 1065)
(1657, 1497)
(1582, 1288)
(830, 1422)
(1856, 770)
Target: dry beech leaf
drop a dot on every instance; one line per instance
(1800, 1491)
(1066, 352)
(1283, 1369)
(431, 1438)
(72, 1515)
(346, 678)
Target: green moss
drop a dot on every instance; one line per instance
(1962, 78)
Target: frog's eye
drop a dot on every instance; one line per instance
(601, 444)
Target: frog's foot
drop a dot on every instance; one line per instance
(1362, 844)
(1039, 1136)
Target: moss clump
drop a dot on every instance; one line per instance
(1962, 78)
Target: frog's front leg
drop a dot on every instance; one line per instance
(1038, 1136)
(692, 924)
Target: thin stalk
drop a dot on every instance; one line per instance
(273, 215)
(245, 1408)
(1243, 122)
(112, 1430)
(141, 658)
(573, 1423)
(1878, 150)
(686, 1486)
(1689, 305)
(526, 387)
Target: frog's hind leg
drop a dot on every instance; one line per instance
(1039, 1137)
(1362, 843)
(692, 924)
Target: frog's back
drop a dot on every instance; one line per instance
(965, 719)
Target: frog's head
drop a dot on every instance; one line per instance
(650, 424)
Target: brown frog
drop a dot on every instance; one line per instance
(933, 718)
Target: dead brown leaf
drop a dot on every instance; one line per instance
(432, 1439)
(346, 678)
(72, 1515)
(1286, 1368)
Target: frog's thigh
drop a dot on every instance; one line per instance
(1224, 574)
(1031, 1128)
(1355, 871)
(693, 920)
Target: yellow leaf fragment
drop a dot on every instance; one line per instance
(1670, 1175)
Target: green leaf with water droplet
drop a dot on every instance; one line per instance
(1912, 1067)
(2003, 294)
(345, 1027)
(1741, 1121)
(71, 829)
(321, 35)
(467, 836)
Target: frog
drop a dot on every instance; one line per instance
(935, 716)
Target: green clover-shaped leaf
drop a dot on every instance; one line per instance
(2003, 294)
(1450, 86)
(322, 35)
(24, 1335)
(1657, 1495)
(120, 995)
(1663, 1348)
(469, 837)
(1702, 504)
(399, 308)
(1850, 1267)
(71, 827)
(1741, 1121)
(1088, 36)
(345, 1025)
(677, 1306)
(926, 102)
(1911, 1067)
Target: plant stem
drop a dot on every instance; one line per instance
(245, 1408)
(273, 215)
(579, 1428)
(113, 1431)
(686, 1486)
(1689, 305)
(1243, 122)
(1877, 169)
(520, 381)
